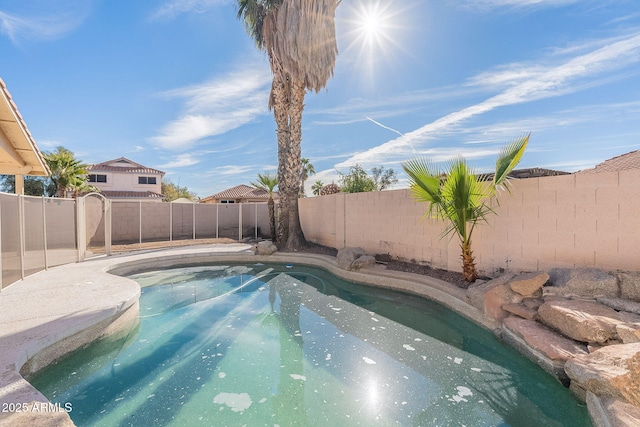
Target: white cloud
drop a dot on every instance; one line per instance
(555, 81)
(492, 4)
(53, 20)
(232, 170)
(216, 107)
(181, 160)
(356, 110)
(173, 8)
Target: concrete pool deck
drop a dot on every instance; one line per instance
(54, 312)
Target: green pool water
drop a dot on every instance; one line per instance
(268, 345)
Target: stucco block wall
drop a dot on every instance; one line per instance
(206, 220)
(155, 221)
(578, 220)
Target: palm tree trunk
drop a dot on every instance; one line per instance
(296, 238)
(272, 218)
(469, 271)
(279, 102)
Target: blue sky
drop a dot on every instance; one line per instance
(178, 85)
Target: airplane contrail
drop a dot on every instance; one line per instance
(383, 126)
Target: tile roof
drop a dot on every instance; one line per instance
(526, 173)
(241, 192)
(132, 167)
(131, 194)
(625, 161)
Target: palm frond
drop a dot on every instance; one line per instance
(266, 182)
(508, 159)
(424, 180)
(463, 193)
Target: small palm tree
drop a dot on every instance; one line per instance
(460, 196)
(66, 170)
(306, 170)
(268, 183)
(79, 184)
(317, 187)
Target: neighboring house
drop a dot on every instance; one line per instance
(625, 161)
(19, 154)
(239, 194)
(125, 179)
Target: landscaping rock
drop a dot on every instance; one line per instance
(346, 256)
(533, 303)
(353, 258)
(529, 284)
(628, 334)
(363, 261)
(611, 372)
(545, 347)
(621, 304)
(521, 311)
(612, 412)
(266, 247)
(581, 320)
(629, 331)
(586, 282)
(540, 338)
(629, 285)
(489, 297)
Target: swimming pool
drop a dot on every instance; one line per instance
(267, 344)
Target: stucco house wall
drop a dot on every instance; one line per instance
(123, 180)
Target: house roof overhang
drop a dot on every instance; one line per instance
(19, 154)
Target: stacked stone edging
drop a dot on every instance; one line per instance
(580, 325)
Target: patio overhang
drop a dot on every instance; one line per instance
(19, 154)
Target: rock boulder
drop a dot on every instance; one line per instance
(621, 304)
(354, 258)
(581, 320)
(266, 247)
(611, 372)
(489, 297)
(363, 261)
(521, 310)
(529, 284)
(585, 282)
(545, 347)
(612, 412)
(629, 285)
(629, 331)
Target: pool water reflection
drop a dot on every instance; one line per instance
(270, 345)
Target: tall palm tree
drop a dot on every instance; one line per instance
(460, 196)
(306, 170)
(299, 38)
(66, 170)
(268, 183)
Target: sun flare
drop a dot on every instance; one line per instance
(371, 23)
(373, 30)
